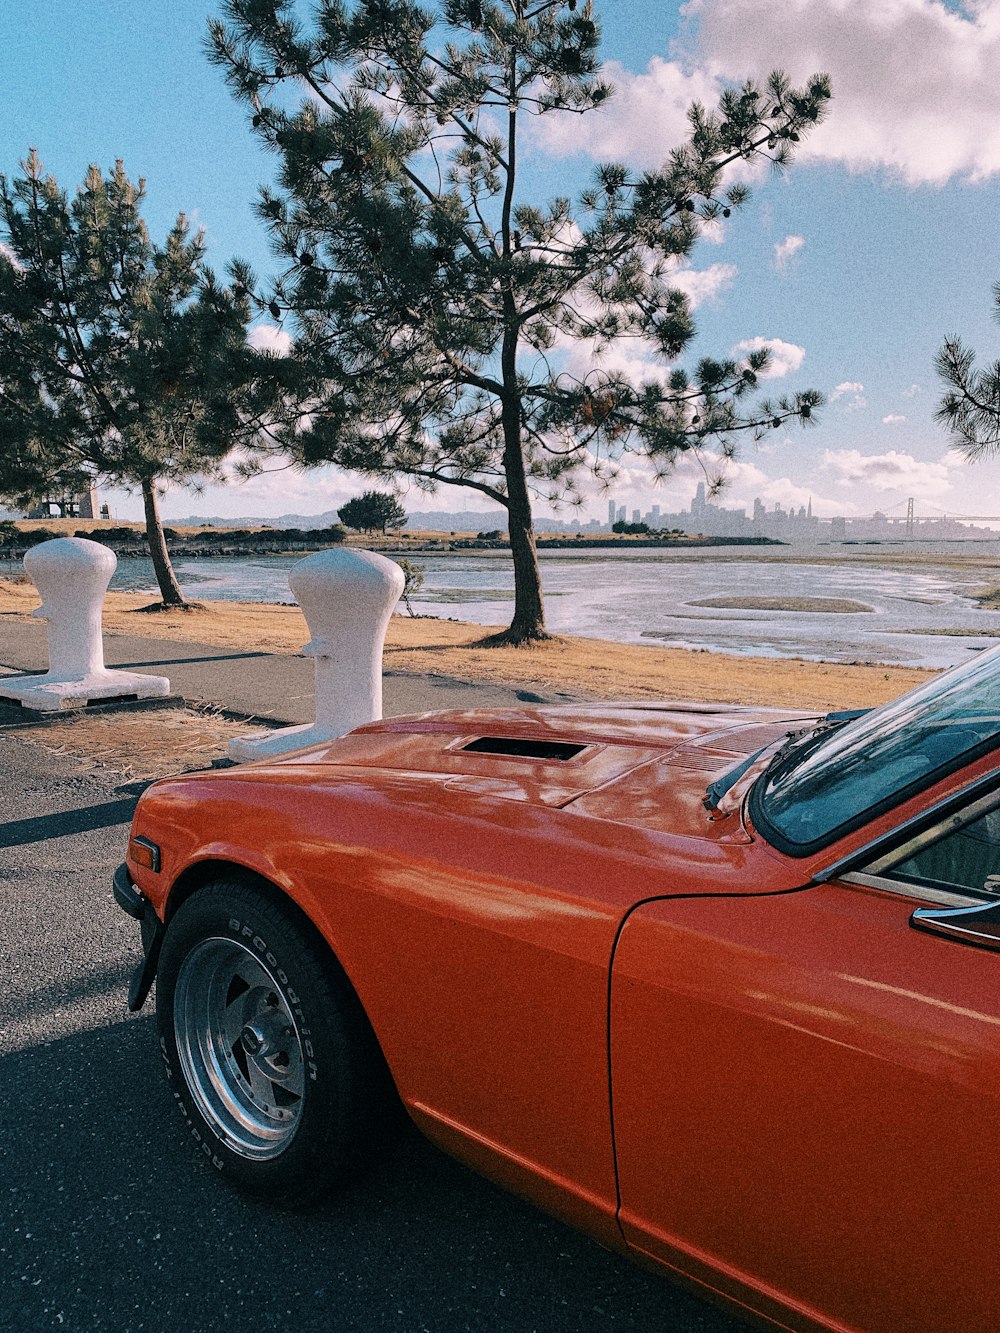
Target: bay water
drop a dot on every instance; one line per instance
(919, 599)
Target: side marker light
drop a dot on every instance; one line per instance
(145, 853)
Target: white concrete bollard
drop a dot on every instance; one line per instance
(347, 597)
(72, 577)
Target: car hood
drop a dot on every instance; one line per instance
(611, 761)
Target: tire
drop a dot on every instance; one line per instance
(268, 1053)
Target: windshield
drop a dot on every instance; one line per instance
(834, 779)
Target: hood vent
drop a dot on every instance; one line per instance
(523, 749)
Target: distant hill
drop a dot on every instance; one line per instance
(432, 520)
(324, 520)
(468, 520)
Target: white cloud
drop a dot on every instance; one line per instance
(637, 358)
(892, 471)
(853, 389)
(745, 483)
(631, 357)
(284, 491)
(912, 391)
(705, 284)
(270, 493)
(784, 250)
(785, 357)
(567, 236)
(893, 419)
(645, 119)
(635, 487)
(634, 357)
(10, 256)
(914, 81)
(269, 338)
(635, 478)
(914, 85)
(714, 231)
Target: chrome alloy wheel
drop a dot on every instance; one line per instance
(240, 1048)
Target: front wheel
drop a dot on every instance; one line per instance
(268, 1052)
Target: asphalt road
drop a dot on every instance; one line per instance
(271, 686)
(110, 1222)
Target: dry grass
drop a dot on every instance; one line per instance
(140, 745)
(601, 669)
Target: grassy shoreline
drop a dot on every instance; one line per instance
(592, 668)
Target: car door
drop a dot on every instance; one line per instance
(806, 1088)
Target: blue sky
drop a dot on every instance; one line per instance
(879, 241)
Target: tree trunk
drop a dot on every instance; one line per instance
(528, 624)
(170, 591)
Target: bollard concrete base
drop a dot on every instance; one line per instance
(267, 744)
(46, 694)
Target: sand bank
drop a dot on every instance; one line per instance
(594, 668)
(838, 606)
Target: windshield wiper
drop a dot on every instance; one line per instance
(716, 790)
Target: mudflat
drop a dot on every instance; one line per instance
(596, 668)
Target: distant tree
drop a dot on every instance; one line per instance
(119, 359)
(434, 301)
(631, 529)
(373, 511)
(970, 410)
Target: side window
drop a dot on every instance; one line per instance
(964, 858)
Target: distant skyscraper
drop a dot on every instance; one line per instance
(698, 503)
(611, 513)
(620, 517)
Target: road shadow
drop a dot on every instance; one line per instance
(189, 661)
(65, 823)
(113, 1223)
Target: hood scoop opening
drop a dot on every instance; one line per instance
(523, 749)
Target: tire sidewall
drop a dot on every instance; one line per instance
(314, 1154)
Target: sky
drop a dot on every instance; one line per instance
(880, 241)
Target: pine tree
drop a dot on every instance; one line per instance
(372, 511)
(433, 302)
(970, 410)
(119, 360)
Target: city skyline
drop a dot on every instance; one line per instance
(796, 524)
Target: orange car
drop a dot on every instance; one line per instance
(717, 985)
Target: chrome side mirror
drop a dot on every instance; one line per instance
(978, 925)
